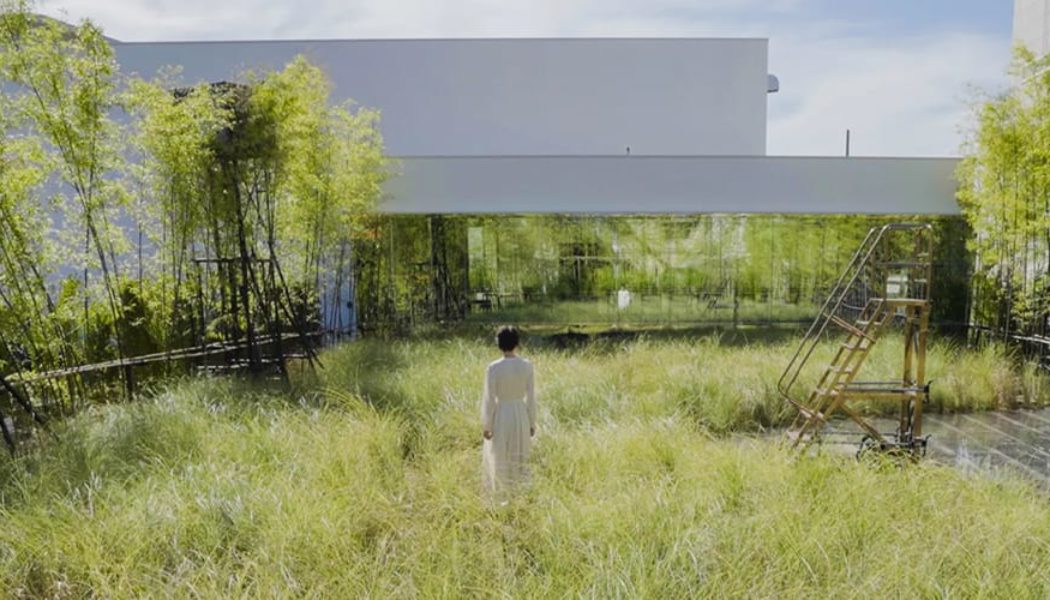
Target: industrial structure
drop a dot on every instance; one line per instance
(887, 282)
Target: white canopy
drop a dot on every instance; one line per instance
(672, 185)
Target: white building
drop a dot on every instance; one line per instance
(1032, 25)
(577, 125)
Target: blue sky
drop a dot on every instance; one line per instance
(917, 16)
(903, 75)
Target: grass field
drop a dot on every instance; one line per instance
(365, 483)
(647, 309)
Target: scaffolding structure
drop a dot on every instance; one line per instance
(887, 282)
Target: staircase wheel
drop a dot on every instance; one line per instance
(867, 447)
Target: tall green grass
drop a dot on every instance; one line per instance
(366, 483)
(721, 385)
(646, 309)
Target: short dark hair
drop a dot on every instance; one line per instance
(507, 338)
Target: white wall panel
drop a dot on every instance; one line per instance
(520, 96)
(1032, 25)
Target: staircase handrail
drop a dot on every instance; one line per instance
(835, 299)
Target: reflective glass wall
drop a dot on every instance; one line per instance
(622, 270)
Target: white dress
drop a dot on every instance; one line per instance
(508, 410)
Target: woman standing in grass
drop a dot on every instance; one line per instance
(508, 416)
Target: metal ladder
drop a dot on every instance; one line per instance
(887, 281)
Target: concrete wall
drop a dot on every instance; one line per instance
(521, 96)
(1032, 25)
(675, 184)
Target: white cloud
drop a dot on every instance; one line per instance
(907, 96)
(899, 96)
(137, 20)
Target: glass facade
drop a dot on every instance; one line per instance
(414, 270)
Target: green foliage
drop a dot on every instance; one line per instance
(64, 82)
(332, 159)
(262, 169)
(241, 172)
(33, 336)
(1004, 179)
(175, 133)
(648, 311)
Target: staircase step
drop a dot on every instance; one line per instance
(850, 328)
(812, 414)
(903, 264)
(902, 302)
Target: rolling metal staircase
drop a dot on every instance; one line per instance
(886, 283)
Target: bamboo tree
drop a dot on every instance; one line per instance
(325, 171)
(33, 337)
(175, 132)
(1004, 177)
(65, 78)
(328, 164)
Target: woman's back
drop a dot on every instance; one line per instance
(509, 378)
(508, 416)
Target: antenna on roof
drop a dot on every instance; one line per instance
(847, 142)
(628, 150)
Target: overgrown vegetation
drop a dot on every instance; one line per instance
(142, 216)
(369, 485)
(648, 310)
(722, 383)
(1004, 180)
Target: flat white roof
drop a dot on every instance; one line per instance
(672, 185)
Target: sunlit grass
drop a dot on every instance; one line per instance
(721, 385)
(366, 483)
(647, 309)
